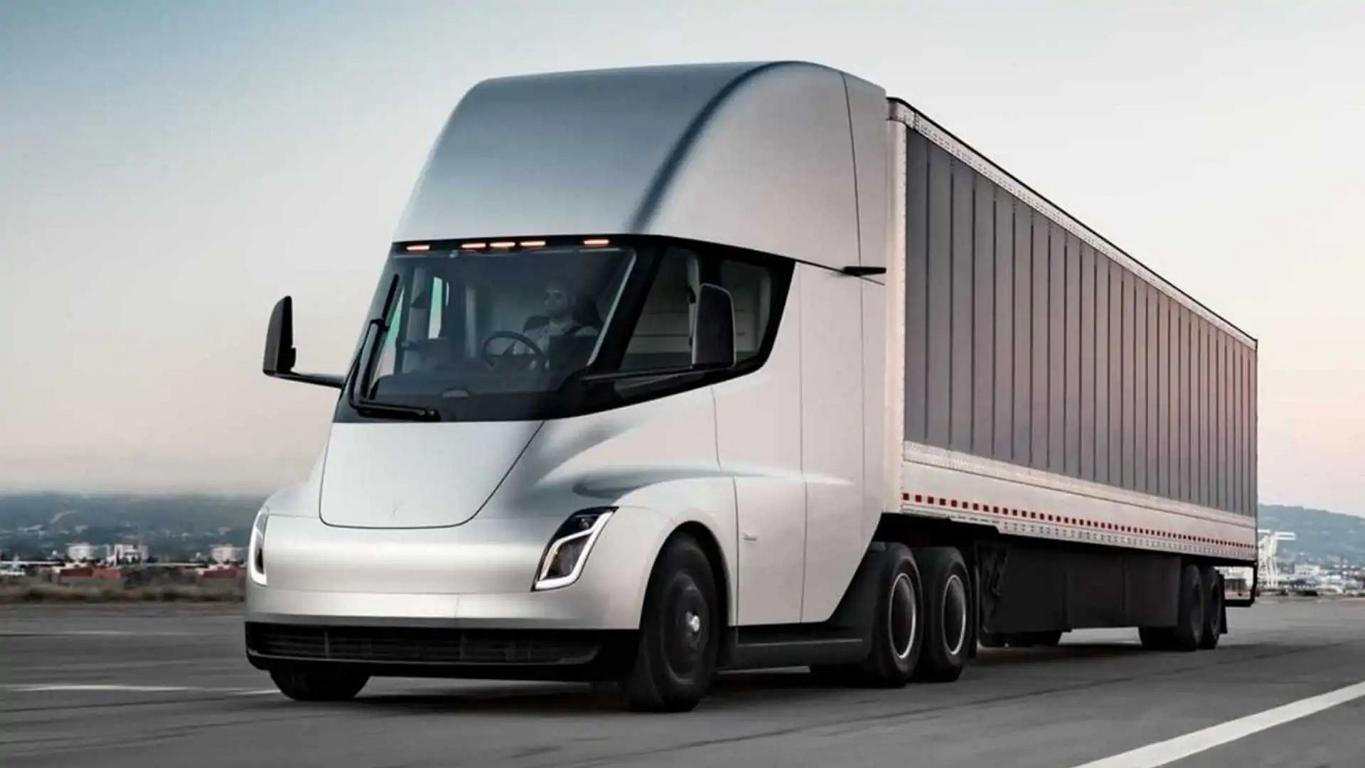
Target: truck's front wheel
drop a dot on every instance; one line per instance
(303, 684)
(679, 632)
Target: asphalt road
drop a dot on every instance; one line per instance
(168, 685)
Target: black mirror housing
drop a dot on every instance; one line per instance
(713, 330)
(280, 354)
(279, 340)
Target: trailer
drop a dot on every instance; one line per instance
(678, 369)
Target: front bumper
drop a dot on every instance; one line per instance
(443, 652)
(473, 576)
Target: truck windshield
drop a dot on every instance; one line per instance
(535, 330)
(500, 328)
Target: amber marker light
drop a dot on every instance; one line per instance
(473, 246)
(502, 244)
(418, 248)
(532, 243)
(596, 241)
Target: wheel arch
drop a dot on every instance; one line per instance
(710, 545)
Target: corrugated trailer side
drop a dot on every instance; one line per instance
(1056, 389)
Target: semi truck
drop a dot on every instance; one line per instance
(680, 369)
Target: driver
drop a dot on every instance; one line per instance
(568, 330)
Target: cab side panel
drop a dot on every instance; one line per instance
(758, 430)
(832, 434)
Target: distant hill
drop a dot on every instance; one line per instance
(174, 527)
(179, 526)
(1323, 536)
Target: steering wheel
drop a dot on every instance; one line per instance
(517, 338)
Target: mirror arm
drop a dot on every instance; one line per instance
(321, 379)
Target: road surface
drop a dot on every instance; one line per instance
(118, 685)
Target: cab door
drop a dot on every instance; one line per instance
(832, 441)
(758, 428)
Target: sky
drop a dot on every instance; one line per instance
(168, 170)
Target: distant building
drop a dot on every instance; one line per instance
(118, 554)
(84, 552)
(227, 554)
(128, 554)
(1307, 570)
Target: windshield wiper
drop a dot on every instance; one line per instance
(374, 335)
(648, 373)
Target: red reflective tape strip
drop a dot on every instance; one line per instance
(979, 506)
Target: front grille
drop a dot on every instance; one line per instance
(413, 645)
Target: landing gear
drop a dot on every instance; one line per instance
(304, 684)
(947, 614)
(679, 632)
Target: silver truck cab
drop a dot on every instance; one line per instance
(618, 399)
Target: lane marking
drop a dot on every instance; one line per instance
(39, 688)
(88, 687)
(93, 633)
(1163, 752)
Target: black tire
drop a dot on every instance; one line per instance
(303, 684)
(1188, 632)
(680, 631)
(947, 614)
(897, 625)
(1155, 638)
(1213, 608)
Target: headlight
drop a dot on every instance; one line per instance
(569, 547)
(256, 552)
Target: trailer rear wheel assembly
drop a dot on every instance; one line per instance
(1191, 609)
(303, 684)
(947, 611)
(1213, 608)
(675, 659)
(1189, 629)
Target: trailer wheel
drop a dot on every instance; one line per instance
(1213, 608)
(1192, 609)
(947, 611)
(675, 659)
(1189, 629)
(897, 625)
(303, 684)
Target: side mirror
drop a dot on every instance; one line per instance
(279, 340)
(713, 331)
(280, 353)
